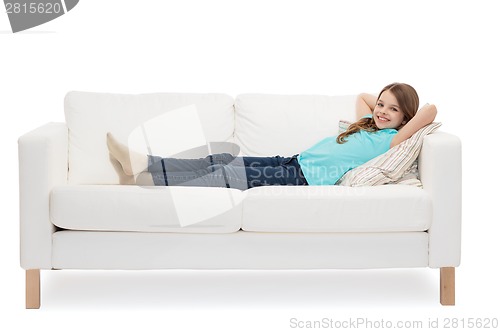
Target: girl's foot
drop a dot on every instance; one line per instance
(132, 162)
(122, 177)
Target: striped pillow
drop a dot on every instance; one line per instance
(394, 166)
(343, 125)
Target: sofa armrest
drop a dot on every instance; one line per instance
(43, 164)
(440, 168)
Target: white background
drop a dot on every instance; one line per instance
(448, 50)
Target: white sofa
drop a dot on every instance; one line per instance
(75, 215)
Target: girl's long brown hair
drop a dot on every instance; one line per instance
(408, 102)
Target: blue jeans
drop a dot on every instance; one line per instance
(226, 170)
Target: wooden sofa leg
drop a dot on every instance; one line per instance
(32, 289)
(447, 285)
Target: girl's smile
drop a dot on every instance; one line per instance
(387, 113)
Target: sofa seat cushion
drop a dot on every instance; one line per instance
(389, 208)
(146, 209)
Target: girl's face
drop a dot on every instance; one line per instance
(387, 113)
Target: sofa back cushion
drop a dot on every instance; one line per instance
(160, 123)
(269, 125)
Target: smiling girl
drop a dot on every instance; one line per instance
(384, 122)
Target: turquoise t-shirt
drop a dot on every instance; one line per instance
(327, 161)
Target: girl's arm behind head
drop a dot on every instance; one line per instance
(424, 116)
(365, 104)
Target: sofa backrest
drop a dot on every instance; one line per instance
(167, 121)
(269, 125)
(166, 124)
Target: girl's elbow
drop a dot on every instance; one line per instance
(433, 112)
